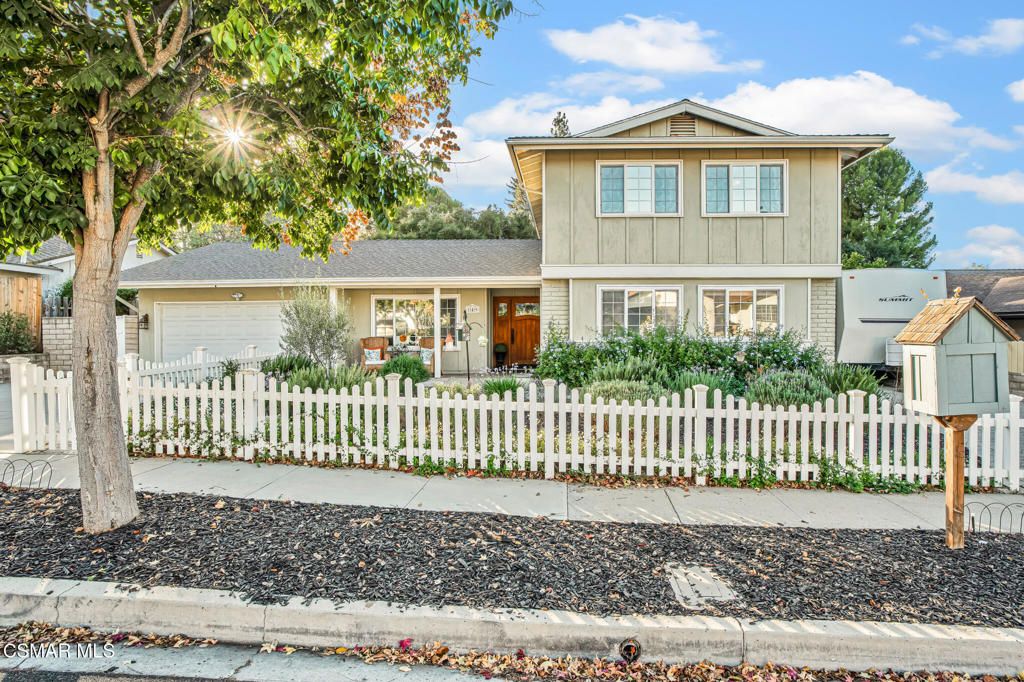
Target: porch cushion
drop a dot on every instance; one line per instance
(426, 354)
(373, 355)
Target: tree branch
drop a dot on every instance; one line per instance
(161, 58)
(133, 34)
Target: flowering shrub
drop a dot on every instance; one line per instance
(674, 350)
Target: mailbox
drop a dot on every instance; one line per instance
(954, 359)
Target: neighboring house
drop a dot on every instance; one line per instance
(1001, 291)
(21, 292)
(57, 254)
(681, 214)
(689, 213)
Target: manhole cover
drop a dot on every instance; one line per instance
(695, 586)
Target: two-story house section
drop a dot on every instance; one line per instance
(687, 213)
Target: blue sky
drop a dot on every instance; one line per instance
(947, 79)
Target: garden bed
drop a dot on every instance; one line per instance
(269, 551)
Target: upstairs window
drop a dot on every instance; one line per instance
(744, 188)
(638, 189)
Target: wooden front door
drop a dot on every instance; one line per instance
(517, 325)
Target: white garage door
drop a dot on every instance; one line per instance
(224, 328)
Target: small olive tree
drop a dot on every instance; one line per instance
(316, 328)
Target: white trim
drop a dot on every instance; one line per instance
(29, 269)
(571, 337)
(702, 271)
(514, 281)
(626, 163)
(629, 286)
(685, 106)
(158, 317)
(744, 162)
(809, 309)
(543, 208)
(418, 297)
(781, 288)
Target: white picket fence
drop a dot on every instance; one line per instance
(551, 429)
(197, 366)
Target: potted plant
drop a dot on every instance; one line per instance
(500, 353)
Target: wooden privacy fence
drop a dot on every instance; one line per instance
(383, 423)
(1015, 356)
(21, 293)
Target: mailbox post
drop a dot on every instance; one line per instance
(954, 363)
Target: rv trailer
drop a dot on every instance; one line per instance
(874, 304)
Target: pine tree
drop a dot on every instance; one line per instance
(517, 201)
(560, 125)
(886, 221)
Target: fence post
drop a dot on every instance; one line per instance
(549, 428)
(250, 350)
(249, 414)
(200, 359)
(1013, 443)
(855, 435)
(393, 412)
(700, 432)
(20, 402)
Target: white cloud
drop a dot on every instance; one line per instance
(1016, 90)
(479, 162)
(862, 102)
(649, 43)
(1019, 130)
(608, 83)
(1002, 37)
(996, 246)
(1007, 188)
(531, 114)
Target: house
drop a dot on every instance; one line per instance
(1001, 291)
(682, 214)
(59, 256)
(21, 292)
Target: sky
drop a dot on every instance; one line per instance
(946, 79)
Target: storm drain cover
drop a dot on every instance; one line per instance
(695, 586)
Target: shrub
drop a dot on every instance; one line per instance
(282, 366)
(681, 381)
(228, 370)
(408, 366)
(315, 328)
(15, 334)
(840, 378)
(620, 390)
(500, 386)
(455, 388)
(343, 376)
(787, 388)
(634, 369)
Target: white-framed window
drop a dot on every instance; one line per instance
(745, 188)
(414, 316)
(635, 307)
(646, 188)
(740, 311)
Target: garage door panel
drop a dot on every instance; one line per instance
(224, 328)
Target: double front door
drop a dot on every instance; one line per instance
(517, 325)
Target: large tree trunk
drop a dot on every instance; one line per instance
(107, 492)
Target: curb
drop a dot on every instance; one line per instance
(853, 645)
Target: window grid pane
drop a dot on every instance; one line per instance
(613, 309)
(771, 189)
(666, 308)
(666, 189)
(743, 189)
(639, 309)
(741, 312)
(767, 310)
(716, 186)
(611, 189)
(638, 189)
(714, 312)
(449, 318)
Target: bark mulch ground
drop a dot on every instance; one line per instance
(269, 551)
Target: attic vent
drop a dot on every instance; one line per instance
(682, 125)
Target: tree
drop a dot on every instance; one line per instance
(517, 201)
(315, 328)
(440, 216)
(119, 116)
(560, 125)
(885, 216)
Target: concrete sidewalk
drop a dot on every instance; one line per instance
(550, 499)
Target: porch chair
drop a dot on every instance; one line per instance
(375, 352)
(427, 353)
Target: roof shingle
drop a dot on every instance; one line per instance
(939, 316)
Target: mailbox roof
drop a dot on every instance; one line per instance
(939, 316)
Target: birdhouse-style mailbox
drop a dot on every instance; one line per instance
(954, 359)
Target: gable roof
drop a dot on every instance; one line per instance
(57, 247)
(414, 262)
(684, 106)
(1002, 291)
(939, 316)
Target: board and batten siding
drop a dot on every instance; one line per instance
(809, 234)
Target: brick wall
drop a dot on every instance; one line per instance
(57, 340)
(554, 305)
(823, 314)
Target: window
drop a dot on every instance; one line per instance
(916, 382)
(638, 307)
(646, 189)
(394, 316)
(744, 188)
(527, 309)
(740, 311)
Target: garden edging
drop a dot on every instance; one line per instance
(728, 641)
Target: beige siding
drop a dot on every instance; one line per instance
(823, 315)
(807, 235)
(554, 305)
(659, 128)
